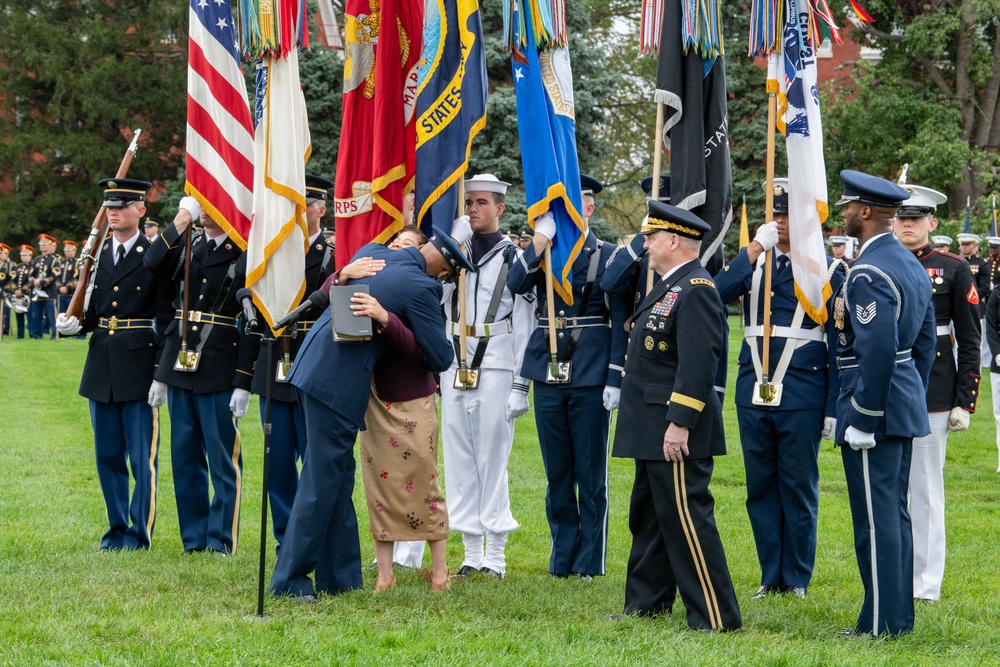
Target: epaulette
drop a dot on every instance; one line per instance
(703, 281)
(330, 241)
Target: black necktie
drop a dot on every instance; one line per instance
(211, 246)
(121, 254)
(782, 262)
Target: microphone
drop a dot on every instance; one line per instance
(319, 299)
(245, 297)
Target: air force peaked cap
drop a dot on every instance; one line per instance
(923, 201)
(663, 193)
(666, 218)
(871, 190)
(590, 185)
(451, 251)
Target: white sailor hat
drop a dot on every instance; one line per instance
(838, 240)
(486, 183)
(942, 240)
(993, 241)
(922, 202)
(969, 238)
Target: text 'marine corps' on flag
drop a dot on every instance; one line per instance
(376, 156)
(219, 163)
(696, 131)
(546, 126)
(279, 235)
(793, 71)
(451, 107)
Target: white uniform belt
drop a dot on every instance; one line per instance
(944, 330)
(504, 326)
(575, 322)
(852, 362)
(785, 332)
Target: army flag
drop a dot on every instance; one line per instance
(219, 143)
(792, 74)
(546, 126)
(279, 235)
(451, 107)
(691, 84)
(375, 163)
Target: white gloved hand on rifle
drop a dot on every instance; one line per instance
(68, 325)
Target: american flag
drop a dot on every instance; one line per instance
(219, 128)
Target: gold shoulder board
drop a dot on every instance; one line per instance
(703, 281)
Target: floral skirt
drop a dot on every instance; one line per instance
(399, 468)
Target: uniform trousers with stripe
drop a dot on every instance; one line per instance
(573, 434)
(780, 452)
(926, 490)
(204, 442)
(676, 546)
(127, 436)
(6, 320)
(322, 535)
(288, 447)
(477, 438)
(877, 481)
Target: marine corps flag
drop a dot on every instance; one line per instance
(546, 125)
(692, 88)
(793, 71)
(375, 162)
(451, 107)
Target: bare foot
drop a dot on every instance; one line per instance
(382, 586)
(439, 585)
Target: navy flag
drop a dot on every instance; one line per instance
(451, 107)
(696, 131)
(546, 125)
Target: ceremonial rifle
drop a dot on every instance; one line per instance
(89, 257)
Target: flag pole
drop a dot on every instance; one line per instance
(654, 191)
(551, 312)
(463, 348)
(767, 390)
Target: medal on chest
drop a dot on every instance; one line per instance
(838, 312)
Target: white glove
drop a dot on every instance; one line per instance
(611, 397)
(829, 428)
(68, 326)
(859, 439)
(461, 230)
(958, 420)
(517, 405)
(767, 235)
(239, 403)
(545, 225)
(191, 205)
(157, 394)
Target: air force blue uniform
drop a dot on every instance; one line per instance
(781, 442)
(887, 340)
(333, 382)
(572, 422)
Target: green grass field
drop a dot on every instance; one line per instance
(63, 603)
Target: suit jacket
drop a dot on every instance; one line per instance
(319, 265)
(228, 354)
(675, 341)
(120, 364)
(811, 379)
(887, 339)
(338, 374)
(599, 347)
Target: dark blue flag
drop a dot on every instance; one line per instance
(451, 107)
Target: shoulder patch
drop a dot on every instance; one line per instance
(703, 281)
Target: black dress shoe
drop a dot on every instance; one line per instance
(188, 552)
(558, 575)
(308, 598)
(797, 591)
(853, 632)
(765, 590)
(465, 571)
(492, 574)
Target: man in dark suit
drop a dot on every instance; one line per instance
(119, 369)
(333, 379)
(886, 346)
(573, 417)
(288, 432)
(208, 388)
(670, 422)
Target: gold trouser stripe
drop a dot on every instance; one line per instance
(687, 401)
(239, 484)
(684, 514)
(152, 476)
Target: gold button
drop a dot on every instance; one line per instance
(111, 333)
(204, 280)
(194, 328)
(560, 334)
(626, 357)
(623, 373)
(939, 354)
(115, 288)
(973, 393)
(114, 303)
(633, 325)
(138, 289)
(201, 296)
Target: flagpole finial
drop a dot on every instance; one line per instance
(902, 175)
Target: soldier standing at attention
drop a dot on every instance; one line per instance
(288, 439)
(209, 392)
(45, 271)
(573, 417)
(886, 343)
(69, 276)
(118, 373)
(953, 389)
(20, 286)
(968, 246)
(781, 434)
(671, 424)
(6, 273)
(151, 228)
